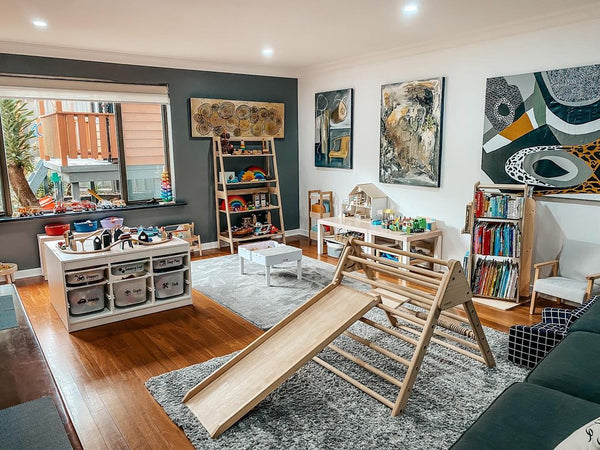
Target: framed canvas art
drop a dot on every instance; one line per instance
(333, 129)
(411, 132)
(543, 129)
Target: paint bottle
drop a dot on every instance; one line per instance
(97, 243)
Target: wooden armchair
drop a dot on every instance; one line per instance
(572, 277)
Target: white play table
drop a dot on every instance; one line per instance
(270, 253)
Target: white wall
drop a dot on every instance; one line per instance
(466, 69)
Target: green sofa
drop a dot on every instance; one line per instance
(561, 394)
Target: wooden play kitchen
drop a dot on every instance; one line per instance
(269, 254)
(91, 289)
(414, 315)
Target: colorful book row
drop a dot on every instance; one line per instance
(492, 278)
(497, 240)
(502, 206)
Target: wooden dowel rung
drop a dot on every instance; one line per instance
(377, 283)
(354, 382)
(388, 331)
(417, 272)
(462, 351)
(365, 365)
(416, 320)
(377, 348)
(402, 314)
(446, 344)
(394, 272)
(396, 251)
(427, 306)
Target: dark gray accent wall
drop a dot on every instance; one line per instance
(192, 164)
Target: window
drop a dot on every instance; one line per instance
(65, 143)
(144, 148)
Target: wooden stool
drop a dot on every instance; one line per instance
(7, 271)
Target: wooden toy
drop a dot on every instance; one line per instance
(183, 231)
(365, 201)
(320, 204)
(434, 299)
(166, 193)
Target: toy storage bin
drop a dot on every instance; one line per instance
(170, 284)
(85, 300)
(334, 249)
(130, 292)
(130, 268)
(164, 263)
(84, 276)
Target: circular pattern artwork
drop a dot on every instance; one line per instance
(210, 117)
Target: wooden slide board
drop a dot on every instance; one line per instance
(233, 390)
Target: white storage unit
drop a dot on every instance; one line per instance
(93, 289)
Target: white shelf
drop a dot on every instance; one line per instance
(59, 263)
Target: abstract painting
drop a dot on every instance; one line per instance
(211, 117)
(333, 129)
(543, 129)
(411, 132)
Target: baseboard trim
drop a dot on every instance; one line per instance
(28, 273)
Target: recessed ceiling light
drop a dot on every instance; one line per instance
(410, 8)
(267, 52)
(40, 23)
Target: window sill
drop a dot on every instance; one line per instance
(86, 214)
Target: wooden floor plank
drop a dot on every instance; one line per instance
(101, 372)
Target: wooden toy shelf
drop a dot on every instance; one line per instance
(515, 220)
(269, 187)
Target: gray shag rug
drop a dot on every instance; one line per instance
(316, 409)
(249, 297)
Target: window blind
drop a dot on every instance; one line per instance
(77, 90)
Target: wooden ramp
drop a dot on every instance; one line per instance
(230, 392)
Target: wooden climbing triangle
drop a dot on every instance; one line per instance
(417, 302)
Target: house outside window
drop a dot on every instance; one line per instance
(69, 144)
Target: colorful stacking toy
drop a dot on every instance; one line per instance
(166, 192)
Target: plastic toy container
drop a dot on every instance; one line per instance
(86, 226)
(86, 300)
(111, 222)
(84, 276)
(334, 249)
(132, 268)
(57, 229)
(167, 263)
(130, 292)
(168, 285)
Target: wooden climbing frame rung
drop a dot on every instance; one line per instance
(355, 382)
(377, 348)
(410, 273)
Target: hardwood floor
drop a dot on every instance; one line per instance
(101, 371)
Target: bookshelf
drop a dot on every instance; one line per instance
(261, 150)
(500, 220)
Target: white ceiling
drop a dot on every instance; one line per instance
(303, 34)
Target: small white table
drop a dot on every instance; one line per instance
(270, 253)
